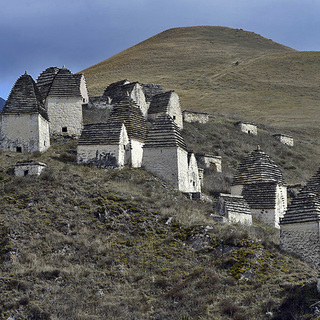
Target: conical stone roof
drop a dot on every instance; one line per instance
(258, 167)
(160, 102)
(126, 111)
(45, 80)
(25, 97)
(164, 133)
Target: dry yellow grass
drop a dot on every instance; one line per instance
(222, 70)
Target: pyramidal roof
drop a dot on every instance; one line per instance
(306, 206)
(127, 112)
(25, 97)
(160, 102)
(151, 89)
(45, 80)
(235, 204)
(118, 90)
(258, 167)
(101, 133)
(59, 83)
(164, 133)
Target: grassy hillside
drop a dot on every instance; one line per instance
(82, 243)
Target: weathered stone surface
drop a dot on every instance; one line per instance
(247, 127)
(29, 168)
(209, 161)
(192, 116)
(234, 208)
(287, 140)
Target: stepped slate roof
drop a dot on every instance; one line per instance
(257, 167)
(129, 113)
(260, 195)
(151, 89)
(45, 80)
(59, 83)
(235, 204)
(101, 134)
(25, 97)
(119, 90)
(64, 85)
(160, 102)
(306, 206)
(164, 133)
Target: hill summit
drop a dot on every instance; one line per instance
(221, 70)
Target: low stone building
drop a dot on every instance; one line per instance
(64, 94)
(24, 119)
(166, 103)
(104, 144)
(247, 127)
(192, 116)
(260, 181)
(29, 168)
(209, 161)
(128, 112)
(166, 156)
(300, 226)
(118, 91)
(285, 139)
(234, 208)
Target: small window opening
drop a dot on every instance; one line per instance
(174, 117)
(44, 143)
(83, 100)
(19, 149)
(26, 172)
(64, 129)
(194, 184)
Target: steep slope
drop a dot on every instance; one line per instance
(222, 70)
(82, 243)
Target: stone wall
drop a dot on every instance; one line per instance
(236, 217)
(302, 239)
(287, 140)
(193, 173)
(136, 153)
(24, 133)
(169, 164)
(281, 204)
(84, 90)
(248, 128)
(29, 169)
(190, 116)
(210, 161)
(237, 190)
(138, 96)
(65, 115)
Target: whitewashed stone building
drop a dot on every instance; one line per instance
(260, 181)
(118, 91)
(193, 116)
(166, 156)
(194, 176)
(104, 144)
(126, 111)
(209, 161)
(64, 94)
(247, 127)
(234, 208)
(285, 139)
(29, 168)
(300, 226)
(166, 103)
(24, 119)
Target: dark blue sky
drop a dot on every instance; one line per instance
(36, 34)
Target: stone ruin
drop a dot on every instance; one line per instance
(193, 116)
(209, 161)
(285, 139)
(247, 127)
(29, 168)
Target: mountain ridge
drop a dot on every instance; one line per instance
(204, 66)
